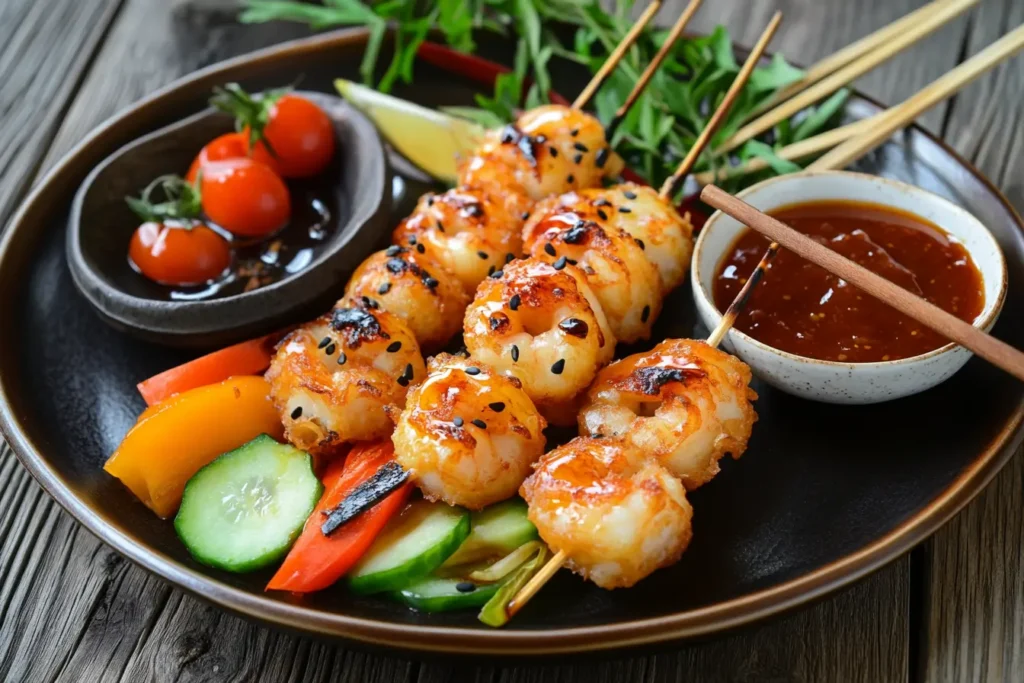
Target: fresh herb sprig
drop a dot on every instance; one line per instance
(658, 130)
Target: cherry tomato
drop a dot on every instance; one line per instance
(179, 255)
(229, 146)
(244, 197)
(300, 135)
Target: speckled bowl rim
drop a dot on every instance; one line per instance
(705, 621)
(984, 320)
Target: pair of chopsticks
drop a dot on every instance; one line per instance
(856, 139)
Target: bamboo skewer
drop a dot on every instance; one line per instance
(946, 12)
(672, 183)
(948, 325)
(616, 56)
(853, 51)
(552, 566)
(659, 57)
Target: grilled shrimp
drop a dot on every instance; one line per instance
(471, 232)
(664, 235)
(683, 402)
(626, 283)
(618, 514)
(425, 295)
(468, 435)
(332, 378)
(548, 150)
(543, 326)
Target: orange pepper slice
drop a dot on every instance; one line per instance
(176, 438)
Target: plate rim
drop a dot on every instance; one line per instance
(705, 621)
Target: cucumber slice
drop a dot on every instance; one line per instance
(441, 595)
(244, 510)
(497, 530)
(411, 546)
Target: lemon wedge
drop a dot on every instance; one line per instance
(426, 137)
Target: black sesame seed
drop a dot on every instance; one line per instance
(549, 249)
(480, 423)
(570, 179)
(369, 303)
(440, 226)
(602, 157)
(342, 358)
(513, 303)
(472, 370)
(412, 239)
(560, 263)
(495, 323)
(324, 342)
(571, 261)
(645, 314)
(430, 282)
(394, 346)
(515, 353)
(490, 271)
(575, 327)
(384, 288)
(574, 132)
(430, 200)
(509, 258)
(599, 435)
(640, 243)
(420, 248)
(482, 254)
(393, 250)
(577, 159)
(525, 215)
(331, 348)
(558, 366)
(553, 151)
(402, 381)
(629, 194)
(465, 587)
(458, 422)
(601, 201)
(497, 274)
(581, 147)
(557, 291)
(602, 215)
(497, 406)
(297, 413)
(625, 209)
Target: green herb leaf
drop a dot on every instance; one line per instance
(818, 118)
(756, 148)
(777, 75)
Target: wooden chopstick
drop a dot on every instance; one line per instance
(988, 347)
(942, 15)
(853, 51)
(938, 90)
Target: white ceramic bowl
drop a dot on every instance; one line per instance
(835, 382)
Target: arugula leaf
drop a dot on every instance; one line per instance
(756, 148)
(824, 112)
(777, 75)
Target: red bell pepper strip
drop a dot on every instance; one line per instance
(316, 561)
(247, 358)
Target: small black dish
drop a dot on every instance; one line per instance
(100, 226)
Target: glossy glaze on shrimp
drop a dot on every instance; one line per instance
(683, 402)
(471, 232)
(626, 282)
(332, 378)
(618, 514)
(421, 292)
(468, 435)
(548, 150)
(655, 224)
(542, 325)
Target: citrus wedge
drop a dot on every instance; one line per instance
(426, 137)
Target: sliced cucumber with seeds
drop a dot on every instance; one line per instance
(432, 594)
(497, 530)
(412, 545)
(244, 510)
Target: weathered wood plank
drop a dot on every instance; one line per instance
(45, 48)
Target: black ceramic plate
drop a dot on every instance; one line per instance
(824, 494)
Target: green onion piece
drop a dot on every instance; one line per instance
(505, 565)
(495, 612)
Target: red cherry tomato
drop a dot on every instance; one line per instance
(228, 146)
(300, 135)
(179, 255)
(244, 197)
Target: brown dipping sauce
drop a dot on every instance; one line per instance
(801, 308)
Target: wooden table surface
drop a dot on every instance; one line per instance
(73, 610)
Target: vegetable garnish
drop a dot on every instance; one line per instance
(181, 202)
(246, 358)
(385, 480)
(316, 561)
(658, 130)
(495, 612)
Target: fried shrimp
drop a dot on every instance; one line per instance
(468, 435)
(332, 378)
(541, 325)
(664, 235)
(425, 295)
(683, 402)
(549, 150)
(626, 283)
(617, 514)
(471, 232)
